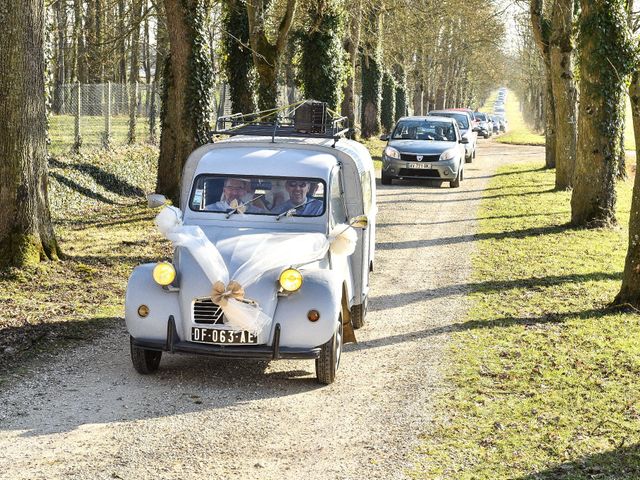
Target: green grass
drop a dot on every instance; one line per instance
(104, 229)
(518, 132)
(375, 146)
(545, 380)
(62, 132)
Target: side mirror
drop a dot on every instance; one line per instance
(156, 200)
(361, 221)
(384, 138)
(464, 140)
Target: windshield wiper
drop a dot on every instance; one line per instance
(291, 211)
(239, 207)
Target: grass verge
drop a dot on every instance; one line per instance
(545, 380)
(105, 229)
(375, 147)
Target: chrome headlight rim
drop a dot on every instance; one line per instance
(164, 273)
(448, 154)
(286, 283)
(391, 152)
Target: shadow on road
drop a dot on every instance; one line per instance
(527, 232)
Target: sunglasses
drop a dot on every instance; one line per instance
(297, 184)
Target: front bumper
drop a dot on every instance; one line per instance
(444, 170)
(174, 344)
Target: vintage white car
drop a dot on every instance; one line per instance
(274, 242)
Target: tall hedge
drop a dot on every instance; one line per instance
(322, 63)
(388, 104)
(402, 108)
(237, 60)
(372, 74)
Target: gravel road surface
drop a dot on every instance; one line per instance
(88, 414)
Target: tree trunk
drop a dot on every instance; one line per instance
(630, 290)
(187, 105)
(351, 45)
(136, 14)
(79, 47)
(541, 32)
(371, 67)
(61, 58)
(320, 69)
(267, 56)
(603, 29)
(26, 231)
(564, 92)
(238, 59)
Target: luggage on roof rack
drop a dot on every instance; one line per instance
(308, 118)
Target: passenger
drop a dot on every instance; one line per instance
(298, 190)
(234, 189)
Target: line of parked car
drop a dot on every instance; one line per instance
(437, 146)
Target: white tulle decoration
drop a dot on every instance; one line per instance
(343, 239)
(268, 253)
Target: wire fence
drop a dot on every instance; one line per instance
(105, 115)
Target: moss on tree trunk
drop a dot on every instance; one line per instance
(630, 290)
(186, 106)
(26, 230)
(606, 57)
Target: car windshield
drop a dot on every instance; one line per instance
(231, 194)
(424, 130)
(461, 118)
(480, 116)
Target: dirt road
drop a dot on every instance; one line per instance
(88, 414)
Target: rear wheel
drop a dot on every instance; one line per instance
(144, 361)
(329, 361)
(358, 315)
(385, 179)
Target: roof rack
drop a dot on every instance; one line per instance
(305, 119)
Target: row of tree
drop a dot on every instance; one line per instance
(394, 55)
(586, 62)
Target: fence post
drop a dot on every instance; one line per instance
(78, 136)
(106, 136)
(152, 115)
(133, 108)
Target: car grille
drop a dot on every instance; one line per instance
(411, 157)
(414, 172)
(205, 311)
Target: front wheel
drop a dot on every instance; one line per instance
(456, 183)
(144, 361)
(329, 361)
(385, 179)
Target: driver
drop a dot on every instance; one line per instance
(305, 206)
(235, 189)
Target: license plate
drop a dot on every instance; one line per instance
(420, 165)
(222, 337)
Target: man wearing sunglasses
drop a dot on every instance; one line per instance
(299, 201)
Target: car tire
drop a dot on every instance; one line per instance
(468, 159)
(358, 315)
(456, 182)
(329, 360)
(144, 361)
(385, 179)
(474, 153)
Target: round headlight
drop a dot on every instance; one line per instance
(392, 152)
(290, 280)
(448, 154)
(164, 273)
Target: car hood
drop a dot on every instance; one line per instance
(243, 250)
(421, 146)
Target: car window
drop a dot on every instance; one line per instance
(258, 195)
(424, 130)
(338, 212)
